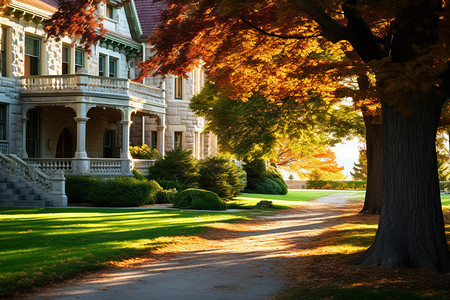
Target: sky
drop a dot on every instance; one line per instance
(346, 155)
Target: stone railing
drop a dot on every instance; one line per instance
(89, 83)
(51, 186)
(142, 165)
(49, 165)
(97, 166)
(105, 166)
(146, 92)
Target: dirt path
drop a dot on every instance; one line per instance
(233, 261)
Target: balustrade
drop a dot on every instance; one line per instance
(90, 83)
(48, 165)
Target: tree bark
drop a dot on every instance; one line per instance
(374, 152)
(411, 229)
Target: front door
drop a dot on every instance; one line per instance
(65, 147)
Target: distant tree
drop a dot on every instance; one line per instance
(443, 157)
(360, 168)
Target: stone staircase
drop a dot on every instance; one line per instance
(19, 194)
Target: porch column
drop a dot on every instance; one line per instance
(143, 130)
(81, 137)
(125, 154)
(161, 139)
(23, 150)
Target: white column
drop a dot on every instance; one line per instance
(161, 140)
(81, 137)
(23, 151)
(125, 153)
(143, 130)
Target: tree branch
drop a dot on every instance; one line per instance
(331, 29)
(298, 37)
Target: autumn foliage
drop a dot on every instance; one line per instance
(81, 19)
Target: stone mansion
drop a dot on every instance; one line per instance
(64, 112)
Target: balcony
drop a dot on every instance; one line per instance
(59, 89)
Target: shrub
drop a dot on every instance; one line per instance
(144, 152)
(256, 173)
(166, 196)
(337, 184)
(269, 186)
(282, 184)
(125, 191)
(170, 184)
(444, 185)
(199, 199)
(219, 175)
(78, 188)
(177, 165)
(120, 191)
(138, 175)
(264, 204)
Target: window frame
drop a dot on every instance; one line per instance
(100, 72)
(79, 67)
(178, 88)
(33, 59)
(67, 62)
(6, 51)
(115, 62)
(180, 143)
(110, 12)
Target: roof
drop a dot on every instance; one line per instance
(45, 5)
(149, 15)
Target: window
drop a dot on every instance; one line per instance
(32, 56)
(154, 140)
(33, 134)
(3, 129)
(178, 139)
(3, 122)
(178, 87)
(65, 59)
(79, 60)
(101, 65)
(110, 12)
(4, 51)
(112, 67)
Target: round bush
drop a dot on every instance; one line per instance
(269, 186)
(199, 199)
(170, 184)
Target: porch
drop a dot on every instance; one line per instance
(80, 123)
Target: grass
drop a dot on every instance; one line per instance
(42, 245)
(445, 200)
(248, 200)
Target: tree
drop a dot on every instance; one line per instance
(360, 168)
(284, 48)
(290, 48)
(284, 133)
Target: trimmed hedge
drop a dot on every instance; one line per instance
(78, 188)
(199, 199)
(119, 191)
(170, 184)
(336, 184)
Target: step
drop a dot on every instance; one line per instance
(22, 203)
(2, 179)
(11, 191)
(6, 185)
(13, 197)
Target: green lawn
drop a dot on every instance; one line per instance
(41, 245)
(296, 197)
(445, 200)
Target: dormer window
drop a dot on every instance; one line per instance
(110, 12)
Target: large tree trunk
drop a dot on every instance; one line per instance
(411, 229)
(374, 152)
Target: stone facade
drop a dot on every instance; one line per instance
(86, 114)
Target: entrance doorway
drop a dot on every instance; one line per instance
(65, 148)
